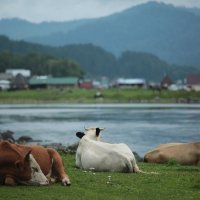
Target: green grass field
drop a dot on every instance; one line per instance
(173, 182)
(113, 95)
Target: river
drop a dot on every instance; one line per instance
(141, 126)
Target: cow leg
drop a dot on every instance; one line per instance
(49, 176)
(136, 169)
(58, 167)
(10, 181)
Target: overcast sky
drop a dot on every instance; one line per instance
(64, 10)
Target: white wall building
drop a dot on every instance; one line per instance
(24, 72)
(4, 84)
(131, 82)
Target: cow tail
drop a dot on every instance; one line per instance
(137, 170)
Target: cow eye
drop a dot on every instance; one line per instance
(35, 169)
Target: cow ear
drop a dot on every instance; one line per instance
(80, 134)
(19, 165)
(26, 155)
(97, 131)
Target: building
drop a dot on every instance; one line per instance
(85, 83)
(52, 82)
(24, 72)
(126, 83)
(193, 82)
(19, 82)
(4, 84)
(166, 82)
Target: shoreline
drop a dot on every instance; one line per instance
(98, 105)
(109, 96)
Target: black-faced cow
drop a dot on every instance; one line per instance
(102, 156)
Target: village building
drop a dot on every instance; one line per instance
(19, 82)
(14, 72)
(166, 82)
(14, 79)
(129, 83)
(4, 84)
(193, 82)
(85, 84)
(53, 82)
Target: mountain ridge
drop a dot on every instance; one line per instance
(171, 33)
(95, 61)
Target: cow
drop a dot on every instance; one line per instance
(48, 161)
(51, 164)
(182, 153)
(17, 165)
(101, 156)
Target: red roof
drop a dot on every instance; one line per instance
(193, 79)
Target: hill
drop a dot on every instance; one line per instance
(19, 29)
(93, 60)
(171, 33)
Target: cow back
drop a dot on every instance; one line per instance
(42, 157)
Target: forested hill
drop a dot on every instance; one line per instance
(93, 61)
(171, 33)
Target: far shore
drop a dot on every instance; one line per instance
(108, 96)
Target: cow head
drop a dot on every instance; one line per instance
(17, 162)
(37, 176)
(31, 166)
(92, 133)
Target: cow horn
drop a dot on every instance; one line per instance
(86, 128)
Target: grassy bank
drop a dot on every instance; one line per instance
(109, 95)
(174, 182)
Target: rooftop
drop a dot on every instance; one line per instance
(53, 81)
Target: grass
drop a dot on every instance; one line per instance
(173, 182)
(87, 96)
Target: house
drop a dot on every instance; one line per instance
(24, 72)
(4, 84)
(193, 81)
(126, 83)
(19, 82)
(85, 83)
(166, 82)
(4, 76)
(53, 82)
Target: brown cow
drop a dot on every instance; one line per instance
(183, 153)
(50, 163)
(17, 165)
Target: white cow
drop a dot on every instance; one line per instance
(101, 156)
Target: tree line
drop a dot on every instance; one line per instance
(40, 64)
(86, 59)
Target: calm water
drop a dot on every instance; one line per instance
(141, 126)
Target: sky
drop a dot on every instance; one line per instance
(65, 10)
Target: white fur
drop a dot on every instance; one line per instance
(101, 156)
(37, 176)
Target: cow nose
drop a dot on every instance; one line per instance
(45, 183)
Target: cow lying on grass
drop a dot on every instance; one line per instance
(17, 165)
(30, 165)
(182, 153)
(101, 156)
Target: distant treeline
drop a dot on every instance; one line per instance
(86, 59)
(40, 64)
